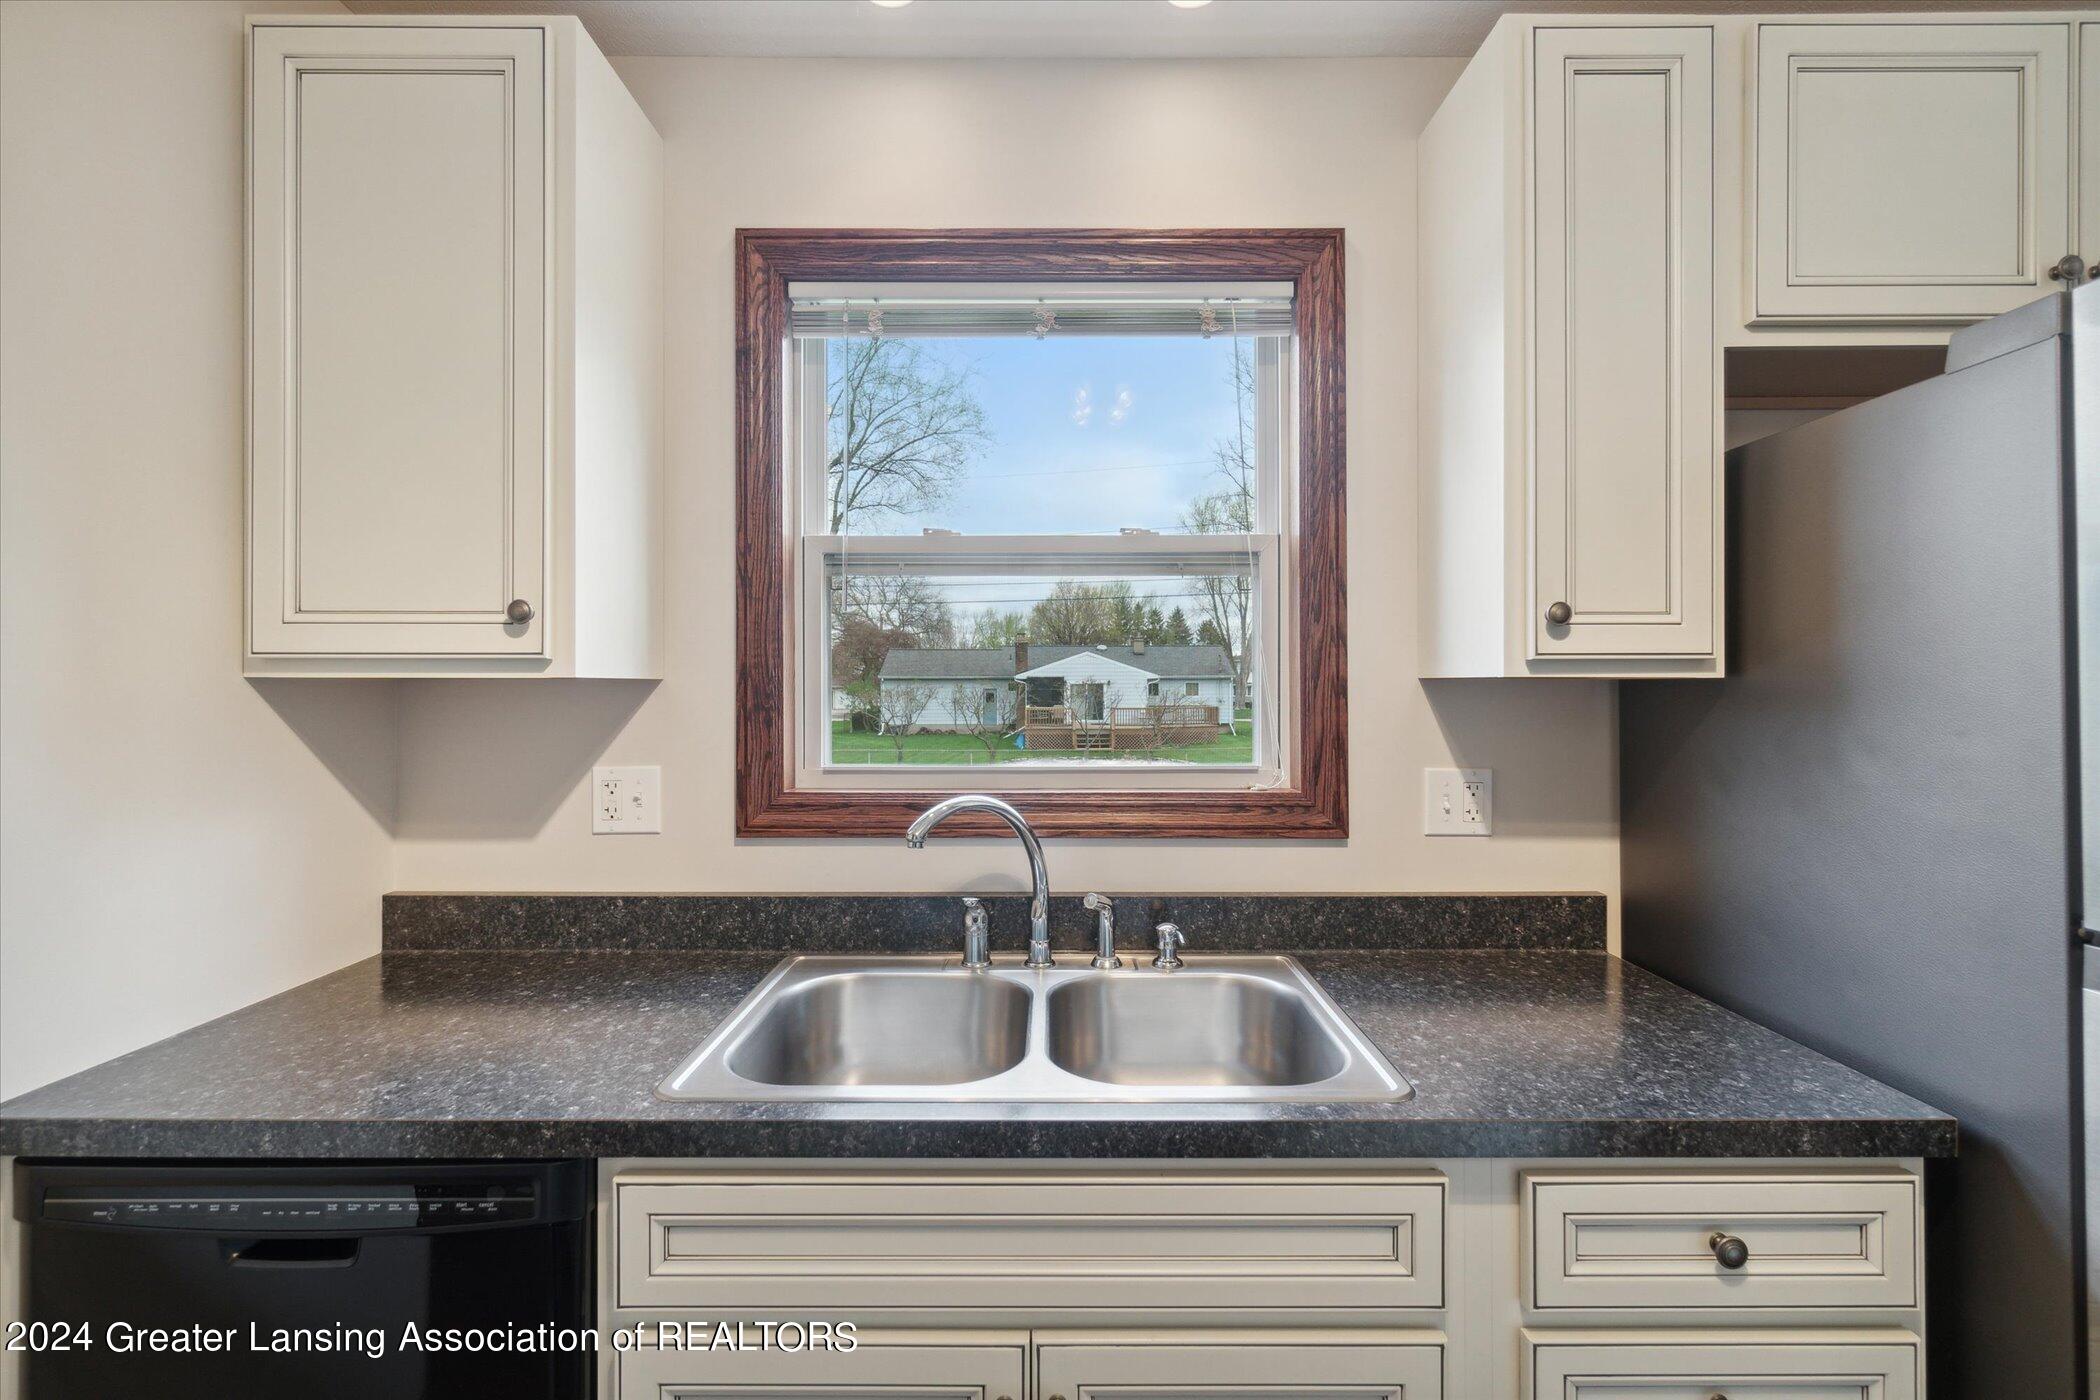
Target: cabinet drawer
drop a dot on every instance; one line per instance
(1235, 1370)
(1038, 1242)
(918, 1371)
(1745, 1370)
(1838, 1241)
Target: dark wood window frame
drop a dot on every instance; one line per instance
(1316, 804)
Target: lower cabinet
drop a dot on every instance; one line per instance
(1473, 1279)
(1688, 1368)
(1225, 1368)
(965, 1368)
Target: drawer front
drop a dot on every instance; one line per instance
(911, 1372)
(1235, 1371)
(855, 1243)
(1645, 1242)
(1738, 1370)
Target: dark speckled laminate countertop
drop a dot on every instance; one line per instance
(540, 1054)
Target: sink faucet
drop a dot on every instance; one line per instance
(1039, 903)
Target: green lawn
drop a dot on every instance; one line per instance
(848, 747)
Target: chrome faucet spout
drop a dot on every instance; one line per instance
(1038, 873)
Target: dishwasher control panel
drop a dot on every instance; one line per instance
(260, 1209)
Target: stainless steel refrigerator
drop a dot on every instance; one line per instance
(1869, 834)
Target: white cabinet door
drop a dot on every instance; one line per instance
(1700, 1367)
(930, 1371)
(397, 211)
(1626, 452)
(1909, 172)
(1228, 1370)
(2089, 146)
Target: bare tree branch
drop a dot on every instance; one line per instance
(903, 430)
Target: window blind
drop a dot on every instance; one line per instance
(1043, 317)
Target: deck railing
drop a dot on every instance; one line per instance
(1123, 727)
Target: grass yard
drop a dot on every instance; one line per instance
(848, 747)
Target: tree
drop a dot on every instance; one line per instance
(986, 721)
(858, 649)
(903, 429)
(1226, 601)
(1081, 614)
(906, 603)
(1177, 632)
(899, 707)
(874, 614)
(993, 629)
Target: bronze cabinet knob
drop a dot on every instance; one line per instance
(519, 610)
(1559, 614)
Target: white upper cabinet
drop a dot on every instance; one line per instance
(1570, 452)
(1908, 172)
(421, 452)
(1625, 445)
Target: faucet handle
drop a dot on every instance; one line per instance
(1169, 937)
(1099, 902)
(977, 934)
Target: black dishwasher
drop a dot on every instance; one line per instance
(408, 1281)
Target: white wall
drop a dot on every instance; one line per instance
(492, 784)
(174, 842)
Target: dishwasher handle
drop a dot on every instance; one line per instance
(293, 1252)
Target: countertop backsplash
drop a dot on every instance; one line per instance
(827, 923)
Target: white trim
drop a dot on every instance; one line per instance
(1268, 555)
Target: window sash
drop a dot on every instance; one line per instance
(1274, 669)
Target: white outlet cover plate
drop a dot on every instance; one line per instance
(627, 801)
(1458, 801)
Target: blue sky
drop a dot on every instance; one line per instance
(1089, 434)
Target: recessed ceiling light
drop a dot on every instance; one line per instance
(1177, 4)
(893, 4)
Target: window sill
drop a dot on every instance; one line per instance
(1242, 814)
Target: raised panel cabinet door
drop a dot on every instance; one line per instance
(2089, 145)
(1700, 1368)
(1909, 172)
(398, 218)
(932, 1371)
(1024, 1244)
(1625, 457)
(1227, 1370)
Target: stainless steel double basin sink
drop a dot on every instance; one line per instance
(923, 1029)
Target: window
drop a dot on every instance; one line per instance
(999, 494)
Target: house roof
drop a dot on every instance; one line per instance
(997, 663)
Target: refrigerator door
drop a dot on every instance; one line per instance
(2083, 403)
(1867, 836)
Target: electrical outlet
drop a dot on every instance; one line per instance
(627, 801)
(1458, 801)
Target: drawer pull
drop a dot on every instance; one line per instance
(1730, 1251)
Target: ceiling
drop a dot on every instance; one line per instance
(1078, 28)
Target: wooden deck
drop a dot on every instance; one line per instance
(1126, 728)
